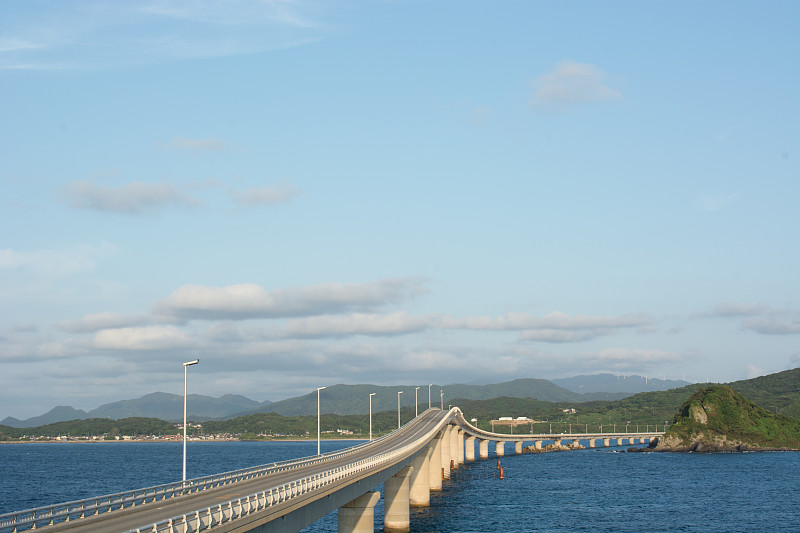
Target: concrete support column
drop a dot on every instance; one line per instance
(446, 452)
(419, 492)
(575, 442)
(557, 442)
(606, 442)
(396, 515)
(592, 443)
(460, 445)
(518, 447)
(454, 445)
(469, 445)
(500, 448)
(358, 516)
(435, 464)
(483, 448)
(537, 444)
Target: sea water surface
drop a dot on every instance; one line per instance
(600, 489)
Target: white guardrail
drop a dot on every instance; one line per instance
(205, 519)
(65, 512)
(30, 519)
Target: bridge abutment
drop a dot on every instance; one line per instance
(396, 514)
(358, 516)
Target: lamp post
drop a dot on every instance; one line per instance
(429, 395)
(370, 415)
(318, 417)
(441, 395)
(416, 408)
(186, 365)
(398, 408)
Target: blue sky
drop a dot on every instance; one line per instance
(309, 193)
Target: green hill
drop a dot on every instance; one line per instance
(717, 418)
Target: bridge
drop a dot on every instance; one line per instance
(411, 462)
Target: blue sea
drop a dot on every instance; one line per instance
(599, 490)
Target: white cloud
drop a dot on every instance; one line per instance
(142, 338)
(195, 145)
(555, 327)
(105, 320)
(113, 34)
(266, 195)
(398, 323)
(248, 300)
(728, 309)
(572, 83)
(135, 198)
(560, 335)
(53, 263)
(773, 325)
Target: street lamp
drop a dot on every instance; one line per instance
(441, 395)
(370, 415)
(318, 417)
(429, 395)
(416, 409)
(398, 408)
(186, 365)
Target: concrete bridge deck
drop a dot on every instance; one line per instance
(411, 461)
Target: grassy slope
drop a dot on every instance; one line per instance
(718, 410)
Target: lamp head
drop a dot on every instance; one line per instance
(190, 363)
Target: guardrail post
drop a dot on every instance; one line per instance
(358, 516)
(396, 515)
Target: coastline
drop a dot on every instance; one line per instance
(157, 441)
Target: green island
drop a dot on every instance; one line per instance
(718, 419)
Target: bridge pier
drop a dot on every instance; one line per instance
(446, 452)
(575, 443)
(419, 492)
(537, 444)
(557, 442)
(358, 516)
(518, 447)
(500, 448)
(606, 442)
(396, 514)
(483, 448)
(454, 446)
(592, 443)
(435, 464)
(460, 445)
(469, 444)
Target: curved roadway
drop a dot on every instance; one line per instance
(135, 517)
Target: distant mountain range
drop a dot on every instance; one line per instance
(155, 405)
(354, 399)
